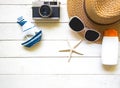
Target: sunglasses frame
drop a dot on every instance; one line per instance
(85, 29)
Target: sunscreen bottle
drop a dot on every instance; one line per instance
(110, 47)
(31, 34)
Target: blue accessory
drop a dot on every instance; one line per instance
(29, 31)
(33, 40)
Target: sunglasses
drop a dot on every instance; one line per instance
(77, 25)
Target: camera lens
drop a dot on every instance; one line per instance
(45, 11)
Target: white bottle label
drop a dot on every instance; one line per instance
(110, 50)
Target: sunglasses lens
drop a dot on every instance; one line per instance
(91, 35)
(76, 24)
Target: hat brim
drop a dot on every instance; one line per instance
(76, 8)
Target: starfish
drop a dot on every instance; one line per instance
(72, 49)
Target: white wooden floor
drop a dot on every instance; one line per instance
(42, 66)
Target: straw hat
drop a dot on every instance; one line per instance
(96, 14)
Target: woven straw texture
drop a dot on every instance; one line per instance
(107, 10)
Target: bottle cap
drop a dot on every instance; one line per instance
(110, 32)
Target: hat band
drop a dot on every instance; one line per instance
(96, 22)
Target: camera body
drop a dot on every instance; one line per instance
(46, 10)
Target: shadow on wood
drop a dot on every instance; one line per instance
(34, 47)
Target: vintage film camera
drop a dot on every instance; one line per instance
(46, 10)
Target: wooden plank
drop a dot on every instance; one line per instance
(25, 1)
(51, 31)
(53, 66)
(26, 11)
(46, 49)
(58, 81)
